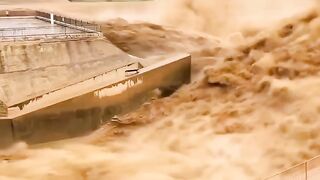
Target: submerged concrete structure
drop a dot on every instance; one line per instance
(68, 84)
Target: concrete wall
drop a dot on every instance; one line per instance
(82, 114)
(31, 69)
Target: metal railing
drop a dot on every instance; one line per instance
(70, 22)
(309, 170)
(40, 30)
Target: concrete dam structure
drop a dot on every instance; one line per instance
(60, 78)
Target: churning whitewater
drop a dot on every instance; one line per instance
(252, 109)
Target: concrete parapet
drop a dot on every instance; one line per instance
(17, 12)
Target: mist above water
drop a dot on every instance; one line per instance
(216, 17)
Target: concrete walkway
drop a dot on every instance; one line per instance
(30, 26)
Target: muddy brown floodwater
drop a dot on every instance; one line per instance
(252, 111)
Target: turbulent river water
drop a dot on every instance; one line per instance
(251, 111)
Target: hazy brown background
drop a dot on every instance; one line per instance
(218, 17)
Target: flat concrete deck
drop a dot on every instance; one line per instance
(31, 26)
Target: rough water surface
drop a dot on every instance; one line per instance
(252, 111)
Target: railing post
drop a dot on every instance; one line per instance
(51, 18)
(306, 170)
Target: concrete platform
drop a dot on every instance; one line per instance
(58, 87)
(31, 26)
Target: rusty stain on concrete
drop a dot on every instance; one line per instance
(118, 88)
